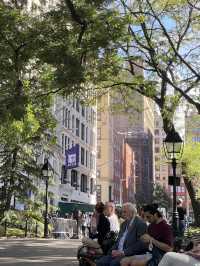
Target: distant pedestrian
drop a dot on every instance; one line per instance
(181, 215)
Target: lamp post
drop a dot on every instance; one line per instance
(173, 148)
(46, 173)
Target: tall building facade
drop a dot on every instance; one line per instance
(105, 156)
(76, 129)
(120, 176)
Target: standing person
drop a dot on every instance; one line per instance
(112, 217)
(159, 238)
(128, 242)
(83, 223)
(101, 227)
(181, 215)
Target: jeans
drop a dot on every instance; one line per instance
(109, 261)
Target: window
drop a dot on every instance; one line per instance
(66, 143)
(157, 132)
(84, 183)
(99, 152)
(74, 179)
(77, 106)
(157, 141)
(73, 123)
(82, 131)
(99, 133)
(63, 175)
(72, 143)
(66, 117)
(62, 143)
(110, 193)
(77, 127)
(82, 156)
(86, 159)
(73, 103)
(69, 120)
(157, 149)
(63, 116)
(91, 138)
(92, 161)
(83, 111)
(92, 186)
(99, 116)
(86, 135)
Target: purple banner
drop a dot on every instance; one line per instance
(72, 157)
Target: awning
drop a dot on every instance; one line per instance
(69, 207)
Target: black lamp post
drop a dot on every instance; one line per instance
(173, 148)
(46, 173)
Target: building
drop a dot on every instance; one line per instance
(136, 129)
(128, 185)
(161, 166)
(75, 130)
(105, 156)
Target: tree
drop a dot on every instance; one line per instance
(161, 197)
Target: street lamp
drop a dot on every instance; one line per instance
(173, 149)
(46, 173)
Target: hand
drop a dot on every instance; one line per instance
(146, 238)
(117, 253)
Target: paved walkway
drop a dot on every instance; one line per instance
(29, 252)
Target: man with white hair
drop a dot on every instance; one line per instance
(112, 217)
(128, 242)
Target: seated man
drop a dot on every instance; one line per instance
(128, 242)
(159, 238)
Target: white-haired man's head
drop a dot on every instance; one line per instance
(110, 208)
(129, 210)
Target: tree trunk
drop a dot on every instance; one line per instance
(194, 201)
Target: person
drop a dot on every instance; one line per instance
(159, 238)
(83, 223)
(190, 258)
(128, 242)
(181, 215)
(101, 229)
(112, 217)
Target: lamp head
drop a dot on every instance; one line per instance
(173, 145)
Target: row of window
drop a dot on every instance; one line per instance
(86, 184)
(80, 130)
(86, 112)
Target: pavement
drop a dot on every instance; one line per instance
(36, 252)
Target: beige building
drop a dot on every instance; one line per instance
(113, 130)
(161, 167)
(104, 150)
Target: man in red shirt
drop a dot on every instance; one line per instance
(159, 238)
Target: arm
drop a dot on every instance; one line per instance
(139, 246)
(161, 245)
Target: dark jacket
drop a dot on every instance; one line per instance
(132, 244)
(103, 228)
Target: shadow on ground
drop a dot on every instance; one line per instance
(38, 252)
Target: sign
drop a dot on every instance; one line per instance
(171, 181)
(72, 157)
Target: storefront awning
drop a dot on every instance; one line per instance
(69, 207)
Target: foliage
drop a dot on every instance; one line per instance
(161, 197)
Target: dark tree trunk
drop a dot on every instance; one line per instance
(194, 201)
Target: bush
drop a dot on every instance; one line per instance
(15, 232)
(2, 231)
